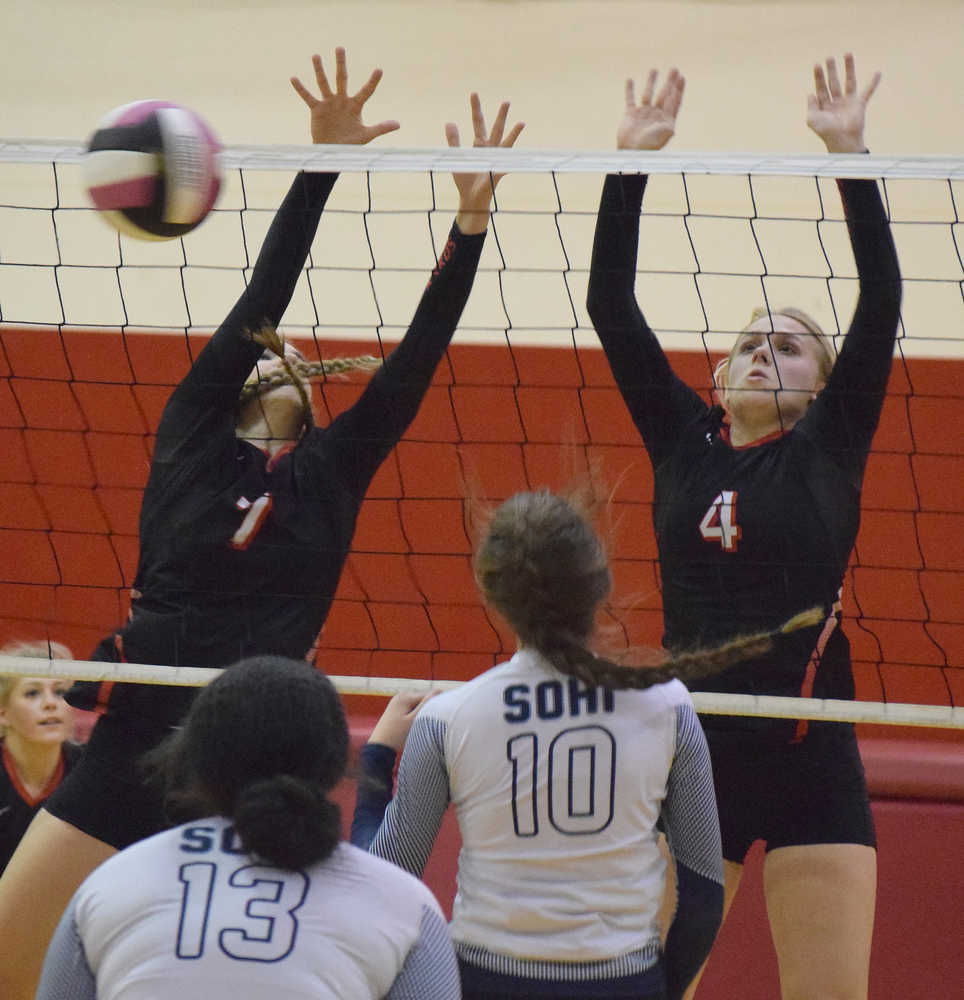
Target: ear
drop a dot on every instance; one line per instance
(719, 382)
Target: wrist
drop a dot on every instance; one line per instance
(472, 221)
(856, 146)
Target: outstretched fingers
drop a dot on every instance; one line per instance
(341, 71)
(833, 81)
(671, 96)
(650, 87)
(496, 136)
(868, 91)
(827, 87)
(321, 77)
(368, 88)
(303, 92)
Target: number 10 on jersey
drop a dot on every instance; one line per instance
(580, 767)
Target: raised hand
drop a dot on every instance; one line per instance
(835, 114)
(393, 726)
(650, 124)
(476, 190)
(336, 116)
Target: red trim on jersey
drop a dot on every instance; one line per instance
(274, 459)
(725, 436)
(105, 688)
(806, 689)
(10, 767)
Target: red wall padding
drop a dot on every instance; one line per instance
(78, 408)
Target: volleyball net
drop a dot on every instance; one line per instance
(96, 329)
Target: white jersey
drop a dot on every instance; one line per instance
(558, 788)
(186, 914)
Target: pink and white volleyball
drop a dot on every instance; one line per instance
(152, 169)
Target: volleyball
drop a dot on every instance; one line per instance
(152, 170)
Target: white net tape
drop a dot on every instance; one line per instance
(820, 709)
(362, 158)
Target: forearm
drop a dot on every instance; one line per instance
(374, 792)
(875, 255)
(658, 402)
(286, 246)
(414, 815)
(409, 369)
(854, 395)
(217, 375)
(611, 299)
(699, 913)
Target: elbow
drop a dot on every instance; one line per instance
(598, 303)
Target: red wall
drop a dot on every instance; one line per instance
(918, 947)
(77, 410)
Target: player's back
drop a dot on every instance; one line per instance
(198, 917)
(558, 788)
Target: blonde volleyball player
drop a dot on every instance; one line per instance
(36, 726)
(562, 767)
(246, 521)
(254, 895)
(757, 505)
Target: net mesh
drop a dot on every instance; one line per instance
(96, 329)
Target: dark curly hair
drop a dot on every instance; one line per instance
(262, 745)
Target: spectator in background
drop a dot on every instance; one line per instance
(36, 725)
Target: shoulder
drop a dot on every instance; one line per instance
(675, 693)
(136, 867)
(382, 878)
(666, 697)
(480, 689)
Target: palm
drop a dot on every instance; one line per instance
(645, 128)
(338, 119)
(651, 123)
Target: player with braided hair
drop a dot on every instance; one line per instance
(253, 894)
(561, 766)
(246, 520)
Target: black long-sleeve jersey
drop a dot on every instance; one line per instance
(240, 553)
(748, 537)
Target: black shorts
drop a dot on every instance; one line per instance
(791, 794)
(107, 795)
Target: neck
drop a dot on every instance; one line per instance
(35, 763)
(261, 438)
(745, 428)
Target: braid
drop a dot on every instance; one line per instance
(577, 661)
(544, 569)
(298, 371)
